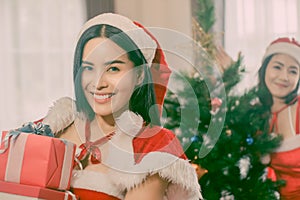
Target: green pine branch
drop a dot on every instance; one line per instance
(206, 14)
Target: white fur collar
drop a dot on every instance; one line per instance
(129, 123)
(63, 113)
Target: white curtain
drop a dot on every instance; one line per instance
(250, 25)
(37, 40)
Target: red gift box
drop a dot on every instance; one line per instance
(36, 160)
(18, 191)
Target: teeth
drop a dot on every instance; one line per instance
(101, 97)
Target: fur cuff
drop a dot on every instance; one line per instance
(178, 172)
(183, 179)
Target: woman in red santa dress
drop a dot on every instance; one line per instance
(120, 77)
(278, 88)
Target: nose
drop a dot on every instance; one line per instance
(101, 81)
(284, 75)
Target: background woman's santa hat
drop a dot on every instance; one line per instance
(286, 46)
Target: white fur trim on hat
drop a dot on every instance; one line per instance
(284, 47)
(143, 41)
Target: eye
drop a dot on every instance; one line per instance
(278, 67)
(113, 69)
(88, 68)
(293, 71)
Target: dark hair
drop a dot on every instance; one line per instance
(143, 98)
(263, 92)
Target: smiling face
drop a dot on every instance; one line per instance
(282, 75)
(108, 77)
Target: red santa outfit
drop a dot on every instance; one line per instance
(146, 150)
(285, 161)
(161, 154)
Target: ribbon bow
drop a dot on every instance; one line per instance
(92, 148)
(30, 127)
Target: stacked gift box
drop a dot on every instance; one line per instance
(35, 166)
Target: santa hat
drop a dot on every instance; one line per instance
(143, 41)
(147, 44)
(286, 46)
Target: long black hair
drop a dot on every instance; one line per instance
(263, 92)
(143, 99)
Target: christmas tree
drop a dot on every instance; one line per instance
(225, 135)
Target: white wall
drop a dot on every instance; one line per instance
(174, 17)
(37, 41)
(173, 14)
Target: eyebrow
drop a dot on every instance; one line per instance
(87, 62)
(278, 63)
(114, 62)
(294, 67)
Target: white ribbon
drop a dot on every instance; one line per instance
(68, 193)
(67, 165)
(15, 159)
